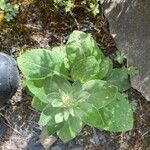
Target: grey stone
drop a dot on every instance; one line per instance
(129, 22)
(9, 77)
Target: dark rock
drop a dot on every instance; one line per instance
(129, 22)
(9, 77)
(33, 144)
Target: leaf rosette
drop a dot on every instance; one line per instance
(75, 85)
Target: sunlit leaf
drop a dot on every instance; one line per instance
(81, 45)
(41, 63)
(85, 69)
(101, 92)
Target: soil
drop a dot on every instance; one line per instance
(42, 25)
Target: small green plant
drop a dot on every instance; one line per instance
(120, 56)
(94, 6)
(74, 85)
(70, 4)
(10, 10)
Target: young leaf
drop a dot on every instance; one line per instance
(54, 99)
(85, 69)
(51, 113)
(121, 56)
(81, 45)
(132, 71)
(101, 92)
(94, 8)
(76, 88)
(119, 77)
(56, 83)
(53, 128)
(70, 129)
(69, 5)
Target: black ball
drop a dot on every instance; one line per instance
(9, 77)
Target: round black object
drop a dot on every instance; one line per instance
(9, 77)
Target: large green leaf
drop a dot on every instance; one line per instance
(38, 104)
(85, 69)
(84, 107)
(94, 118)
(42, 88)
(104, 68)
(117, 116)
(60, 53)
(120, 78)
(70, 129)
(40, 63)
(101, 92)
(81, 45)
(76, 88)
(36, 87)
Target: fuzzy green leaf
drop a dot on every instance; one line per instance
(51, 113)
(94, 118)
(70, 129)
(120, 78)
(120, 56)
(101, 92)
(53, 128)
(36, 87)
(117, 116)
(40, 63)
(95, 8)
(81, 45)
(105, 68)
(85, 69)
(38, 104)
(55, 99)
(55, 84)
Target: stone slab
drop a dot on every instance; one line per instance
(129, 22)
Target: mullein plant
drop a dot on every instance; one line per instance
(76, 85)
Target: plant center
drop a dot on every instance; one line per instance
(67, 101)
